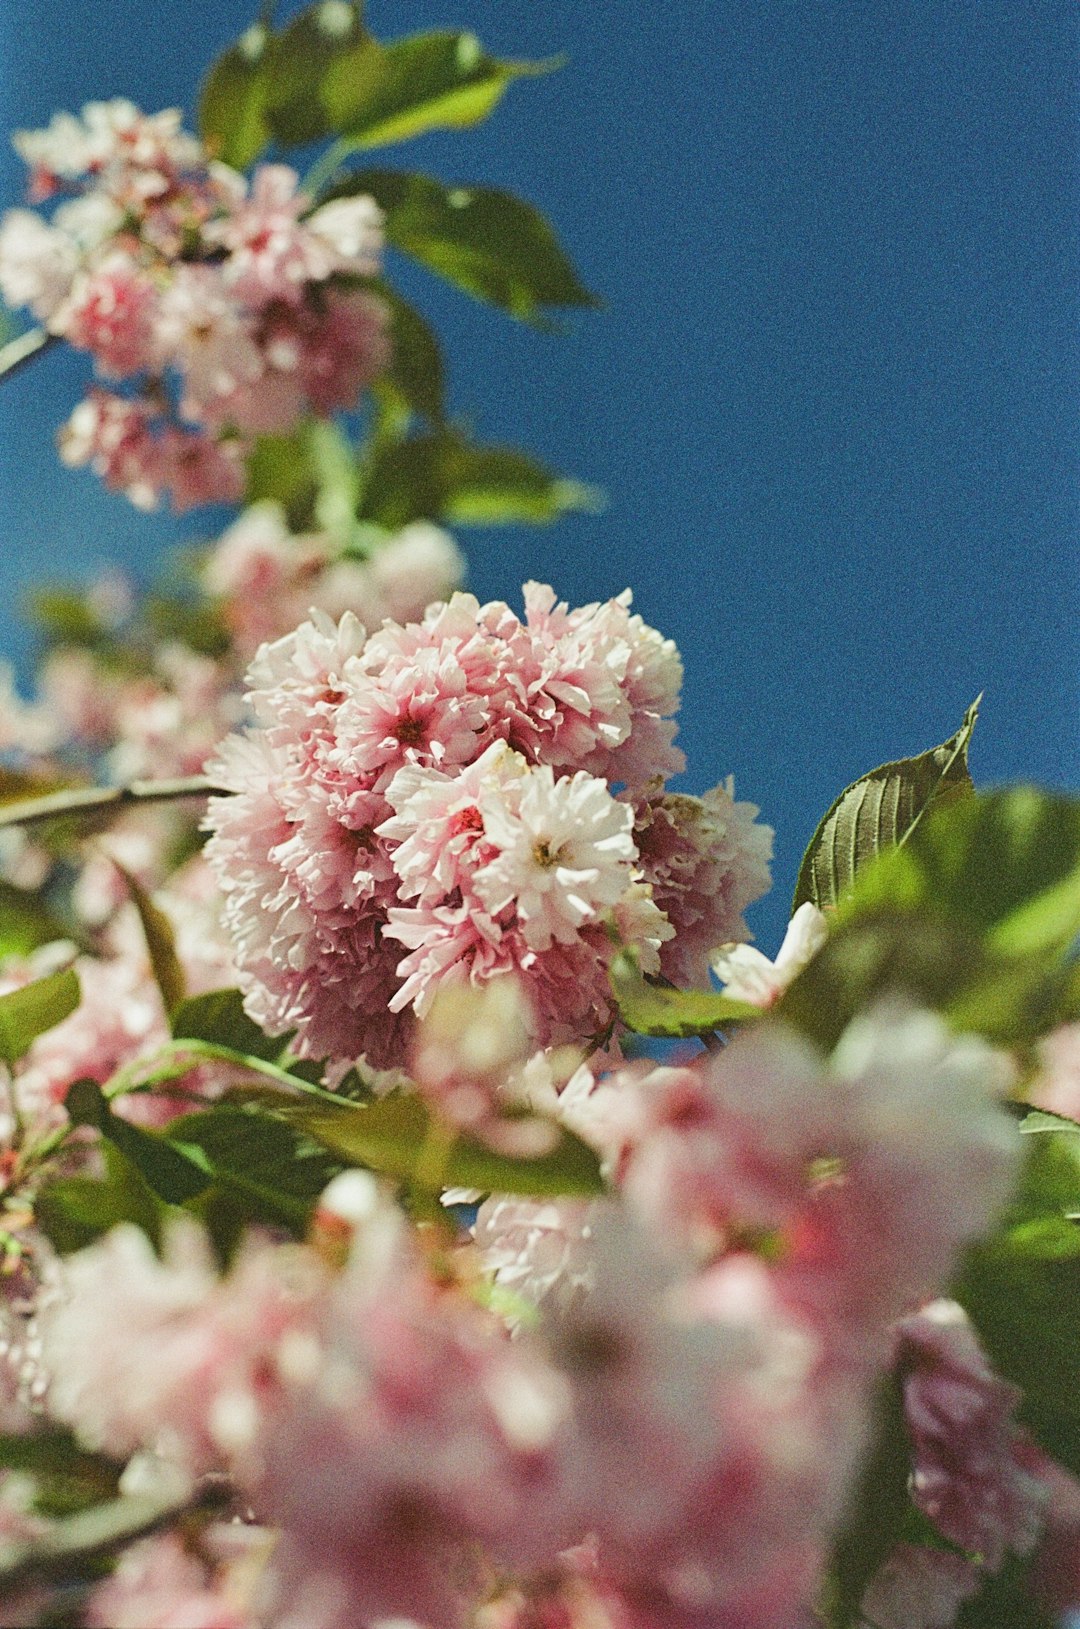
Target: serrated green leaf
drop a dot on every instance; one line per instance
(445, 477)
(879, 811)
(488, 242)
(375, 94)
(35, 1008)
(160, 942)
(393, 1135)
(232, 102)
(654, 1009)
(297, 62)
(218, 1016)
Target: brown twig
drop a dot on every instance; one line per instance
(110, 800)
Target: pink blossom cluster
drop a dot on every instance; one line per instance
(260, 580)
(162, 263)
(670, 1442)
(460, 798)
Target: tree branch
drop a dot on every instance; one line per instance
(110, 800)
(18, 352)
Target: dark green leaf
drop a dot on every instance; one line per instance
(161, 944)
(73, 1212)
(29, 1012)
(66, 1476)
(444, 477)
(877, 1511)
(269, 1163)
(298, 60)
(487, 242)
(415, 374)
(393, 1135)
(652, 1009)
(1007, 1601)
(878, 811)
(1021, 1288)
(375, 94)
(174, 1170)
(218, 1016)
(195, 623)
(232, 102)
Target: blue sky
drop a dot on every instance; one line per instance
(832, 399)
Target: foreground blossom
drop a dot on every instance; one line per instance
(437, 803)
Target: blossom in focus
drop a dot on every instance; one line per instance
(409, 813)
(706, 860)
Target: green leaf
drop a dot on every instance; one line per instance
(26, 922)
(337, 481)
(160, 942)
(375, 94)
(488, 242)
(1021, 1288)
(445, 477)
(176, 1171)
(218, 1016)
(1007, 1601)
(1005, 866)
(973, 915)
(280, 469)
(66, 1476)
(394, 1135)
(232, 102)
(415, 374)
(653, 1009)
(298, 60)
(29, 1012)
(878, 1510)
(879, 811)
(73, 1212)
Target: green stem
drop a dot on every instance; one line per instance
(110, 800)
(325, 168)
(18, 352)
(126, 1079)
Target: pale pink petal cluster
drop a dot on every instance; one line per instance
(165, 266)
(971, 1473)
(707, 859)
(266, 580)
(437, 804)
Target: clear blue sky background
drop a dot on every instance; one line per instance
(833, 398)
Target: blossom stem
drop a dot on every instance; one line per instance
(325, 168)
(110, 800)
(18, 352)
